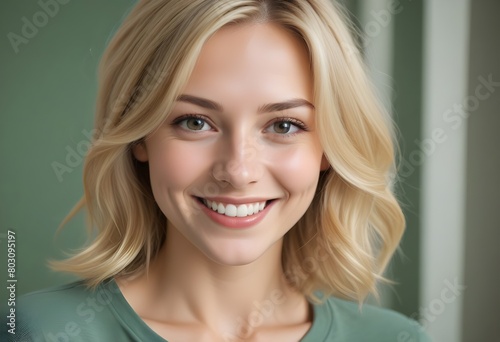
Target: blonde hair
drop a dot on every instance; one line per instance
(346, 238)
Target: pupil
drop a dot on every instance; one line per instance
(195, 124)
(282, 127)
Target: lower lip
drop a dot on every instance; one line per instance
(236, 222)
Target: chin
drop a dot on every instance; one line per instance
(239, 254)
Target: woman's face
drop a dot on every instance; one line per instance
(237, 162)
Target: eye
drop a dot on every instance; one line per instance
(285, 126)
(192, 122)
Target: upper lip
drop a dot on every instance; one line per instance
(236, 200)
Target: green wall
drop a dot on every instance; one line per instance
(407, 73)
(47, 97)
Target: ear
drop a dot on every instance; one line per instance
(140, 152)
(325, 165)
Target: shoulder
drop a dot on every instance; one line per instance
(367, 314)
(66, 312)
(347, 321)
(67, 294)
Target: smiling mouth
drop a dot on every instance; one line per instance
(235, 210)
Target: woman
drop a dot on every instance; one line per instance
(238, 183)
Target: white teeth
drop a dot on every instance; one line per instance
(221, 209)
(242, 211)
(233, 210)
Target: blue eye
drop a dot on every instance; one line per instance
(192, 122)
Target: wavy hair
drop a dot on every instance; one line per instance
(344, 241)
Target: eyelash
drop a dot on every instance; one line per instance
(302, 126)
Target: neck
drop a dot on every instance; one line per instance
(183, 285)
(209, 287)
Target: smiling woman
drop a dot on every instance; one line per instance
(244, 196)
(238, 96)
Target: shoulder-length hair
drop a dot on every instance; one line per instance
(346, 238)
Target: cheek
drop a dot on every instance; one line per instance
(176, 165)
(297, 169)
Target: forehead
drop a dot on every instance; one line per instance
(252, 61)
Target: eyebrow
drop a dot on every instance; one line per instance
(267, 108)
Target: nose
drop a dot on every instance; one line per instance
(238, 162)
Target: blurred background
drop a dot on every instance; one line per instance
(435, 64)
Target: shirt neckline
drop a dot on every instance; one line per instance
(136, 327)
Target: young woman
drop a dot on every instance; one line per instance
(239, 184)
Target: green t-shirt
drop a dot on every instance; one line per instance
(74, 313)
